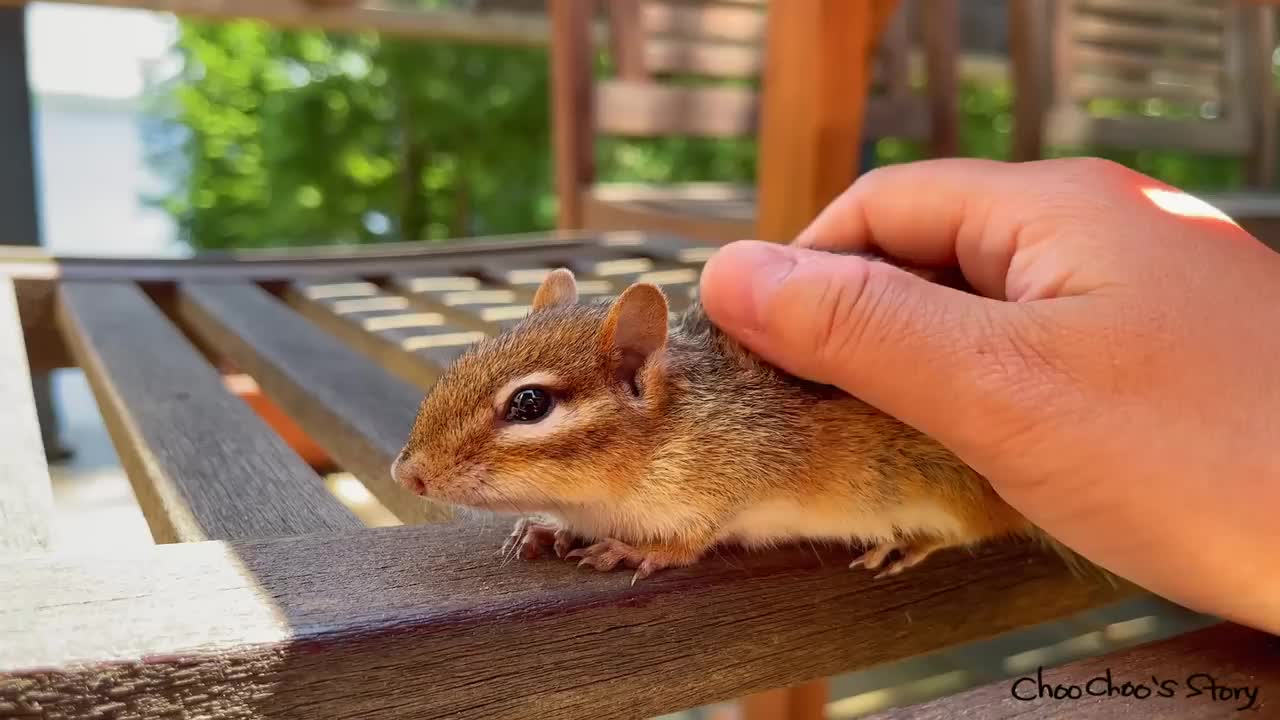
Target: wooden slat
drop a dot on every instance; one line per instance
(1149, 10)
(282, 263)
(1226, 655)
(382, 325)
(676, 279)
(1093, 29)
(711, 21)
(1087, 87)
(609, 214)
(481, 306)
(26, 496)
(1125, 59)
(359, 413)
(1071, 127)
(639, 109)
(202, 465)
(643, 109)
(720, 60)
(323, 626)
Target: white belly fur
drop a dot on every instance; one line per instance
(779, 521)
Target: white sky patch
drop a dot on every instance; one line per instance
(95, 51)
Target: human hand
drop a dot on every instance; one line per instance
(1117, 381)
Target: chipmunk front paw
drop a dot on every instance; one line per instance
(531, 537)
(608, 554)
(910, 554)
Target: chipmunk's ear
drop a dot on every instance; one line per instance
(635, 329)
(559, 287)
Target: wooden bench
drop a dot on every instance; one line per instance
(1085, 70)
(267, 597)
(682, 69)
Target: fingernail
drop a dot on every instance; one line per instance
(745, 276)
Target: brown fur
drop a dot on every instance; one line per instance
(678, 434)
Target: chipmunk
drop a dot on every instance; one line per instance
(628, 438)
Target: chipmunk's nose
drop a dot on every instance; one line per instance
(406, 472)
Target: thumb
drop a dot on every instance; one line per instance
(946, 362)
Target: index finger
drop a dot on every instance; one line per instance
(959, 211)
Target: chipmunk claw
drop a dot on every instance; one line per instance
(609, 554)
(910, 554)
(531, 537)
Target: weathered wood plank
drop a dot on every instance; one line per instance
(1228, 655)
(359, 413)
(202, 464)
(26, 496)
(425, 621)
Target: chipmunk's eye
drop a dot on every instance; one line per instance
(528, 405)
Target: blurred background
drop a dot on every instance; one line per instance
(162, 134)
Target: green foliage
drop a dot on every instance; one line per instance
(309, 138)
(290, 137)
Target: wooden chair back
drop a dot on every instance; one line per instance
(1147, 74)
(692, 68)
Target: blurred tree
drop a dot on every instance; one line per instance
(279, 138)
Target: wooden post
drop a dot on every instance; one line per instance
(1262, 33)
(1028, 64)
(817, 75)
(942, 40)
(18, 184)
(572, 120)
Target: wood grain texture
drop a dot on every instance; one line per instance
(1227, 654)
(425, 622)
(203, 466)
(357, 412)
(26, 497)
